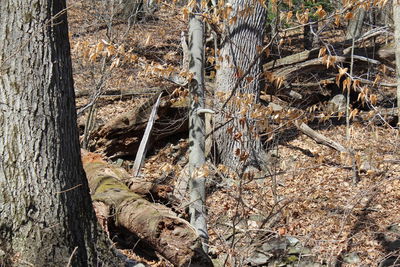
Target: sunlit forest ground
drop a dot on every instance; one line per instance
(308, 195)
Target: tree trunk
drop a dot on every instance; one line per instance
(47, 217)
(135, 9)
(396, 20)
(237, 140)
(355, 24)
(197, 182)
(310, 38)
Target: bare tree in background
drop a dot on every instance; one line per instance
(355, 24)
(135, 9)
(396, 20)
(237, 141)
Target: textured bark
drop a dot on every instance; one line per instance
(239, 50)
(396, 19)
(310, 38)
(46, 214)
(135, 9)
(197, 182)
(354, 28)
(157, 225)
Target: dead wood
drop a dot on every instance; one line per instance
(287, 68)
(141, 154)
(121, 136)
(319, 138)
(379, 115)
(119, 93)
(341, 49)
(292, 59)
(313, 65)
(174, 238)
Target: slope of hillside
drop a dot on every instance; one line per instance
(307, 197)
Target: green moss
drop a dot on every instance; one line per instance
(16, 87)
(292, 258)
(28, 17)
(109, 183)
(36, 5)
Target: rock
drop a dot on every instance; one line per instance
(337, 104)
(387, 51)
(395, 228)
(275, 244)
(300, 250)
(219, 262)
(292, 240)
(352, 258)
(275, 107)
(259, 258)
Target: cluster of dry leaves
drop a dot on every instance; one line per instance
(308, 194)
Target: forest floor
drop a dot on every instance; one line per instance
(309, 194)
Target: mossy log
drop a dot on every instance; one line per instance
(172, 237)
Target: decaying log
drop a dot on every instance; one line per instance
(317, 137)
(174, 238)
(312, 64)
(286, 69)
(379, 115)
(292, 59)
(342, 49)
(121, 136)
(120, 93)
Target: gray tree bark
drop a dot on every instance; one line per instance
(197, 208)
(237, 140)
(354, 28)
(310, 38)
(136, 9)
(46, 217)
(396, 20)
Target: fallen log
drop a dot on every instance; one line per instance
(281, 72)
(338, 49)
(172, 237)
(121, 136)
(304, 128)
(319, 138)
(292, 59)
(120, 93)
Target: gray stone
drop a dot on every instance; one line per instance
(352, 258)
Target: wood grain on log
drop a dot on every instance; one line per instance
(157, 225)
